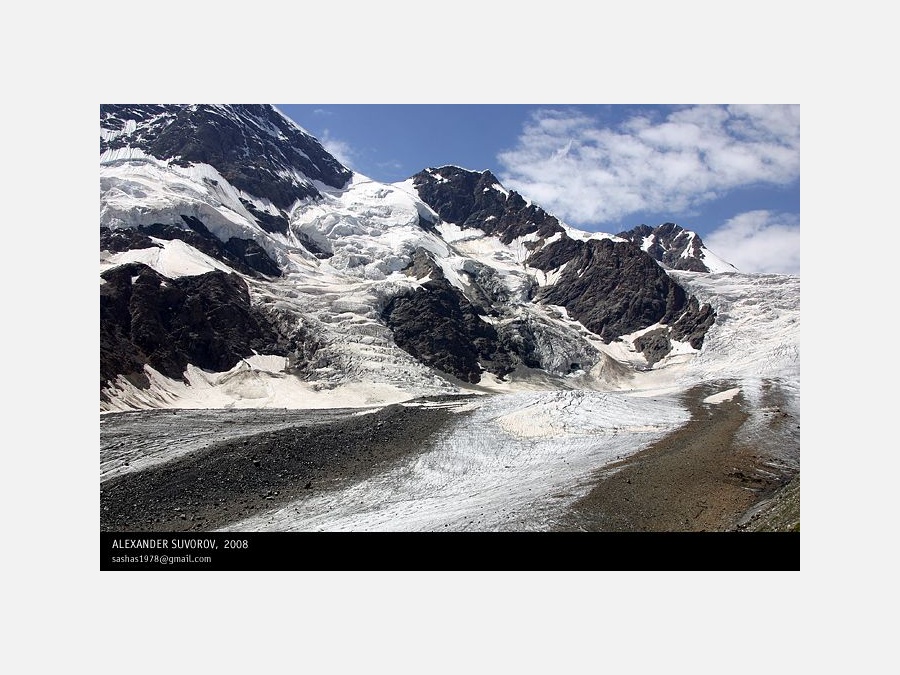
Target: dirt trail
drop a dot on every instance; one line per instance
(702, 477)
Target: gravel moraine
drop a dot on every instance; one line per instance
(231, 479)
(709, 475)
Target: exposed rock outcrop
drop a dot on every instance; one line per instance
(204, 320)
(477, 200)
(441, 328)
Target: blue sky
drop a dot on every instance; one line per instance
(729, 172)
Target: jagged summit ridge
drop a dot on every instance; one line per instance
(472, 199)
(269, 162)
(254, 147)
(676, 248)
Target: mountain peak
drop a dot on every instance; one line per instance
(676, 248)
(477, 200)
(254, 147)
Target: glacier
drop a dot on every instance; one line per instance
(525, 447)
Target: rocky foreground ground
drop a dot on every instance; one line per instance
(705, 476)
(233, 479)
(709, 475)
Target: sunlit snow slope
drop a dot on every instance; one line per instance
(349, 248)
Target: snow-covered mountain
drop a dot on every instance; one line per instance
(676, 248)
(242, 265)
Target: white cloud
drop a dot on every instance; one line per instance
(759, 242)
(588, 173)
(391, 164)
(339, 149)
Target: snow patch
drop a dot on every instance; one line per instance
(723, 396)
(250, 384)
(175, 259)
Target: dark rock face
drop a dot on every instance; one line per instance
(518, 337)
(422, 265)
(654, 345)
(253, 255)
(555, 255)
(254, 147)
(613, 288)
(243, 255)
(470, 200)
(692, 326)
(439, 327)
(267, 221)
(119, 241)
(673, 246)
(204, 320)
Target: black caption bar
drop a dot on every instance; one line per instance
(449, 551)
